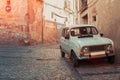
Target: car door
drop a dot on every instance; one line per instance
(64, 40)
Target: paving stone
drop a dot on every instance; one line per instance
(33, 63)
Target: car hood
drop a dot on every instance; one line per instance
(92, 41)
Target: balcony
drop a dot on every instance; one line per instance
(83, 5)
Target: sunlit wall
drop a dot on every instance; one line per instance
(17, 13)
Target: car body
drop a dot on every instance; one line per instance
(83, 42)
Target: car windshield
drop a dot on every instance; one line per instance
(84, 31)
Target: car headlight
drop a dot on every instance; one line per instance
(109, 48)
(85, 49)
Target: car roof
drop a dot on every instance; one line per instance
(84, 25)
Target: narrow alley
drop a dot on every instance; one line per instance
(34, 63)
(45, 63)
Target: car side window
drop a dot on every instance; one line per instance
(94, 31)
(65, 32)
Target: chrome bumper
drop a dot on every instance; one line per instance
(94, 55)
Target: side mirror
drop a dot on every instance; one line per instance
(101, 34)
(67, 37)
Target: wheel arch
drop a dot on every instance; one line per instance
(73, 52)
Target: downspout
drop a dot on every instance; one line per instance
(42, 32)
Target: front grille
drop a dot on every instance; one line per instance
(97, 48)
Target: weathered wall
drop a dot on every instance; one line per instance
(12, 34)
(12, 23)
(108, 20)
(25, 18)
(50, 32)
(35, 12)
(92, 11)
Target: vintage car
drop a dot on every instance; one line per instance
(84, 42)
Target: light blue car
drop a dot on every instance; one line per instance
(82, 42)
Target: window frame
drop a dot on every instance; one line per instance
(65, 32)
(91, 27)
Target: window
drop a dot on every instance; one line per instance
(94, 18)
(65, 32)
(83, 31)
(84, 3)
(74, 32)
(94, 31)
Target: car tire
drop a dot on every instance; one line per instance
(111, 59)
(62, 53)
(74, 59)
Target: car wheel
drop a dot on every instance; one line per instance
(62, 53)
(111, 59)
(74, 59)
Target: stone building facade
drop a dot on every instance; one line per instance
(57, 14)
(24, 21)
(105, 15)
(20, 20)
(82, 12)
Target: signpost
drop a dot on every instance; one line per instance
(8, 8)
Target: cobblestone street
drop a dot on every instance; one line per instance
(45, 63)
(99, 71)
(35, 36)
(34, 63)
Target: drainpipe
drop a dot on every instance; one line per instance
(42, 33)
